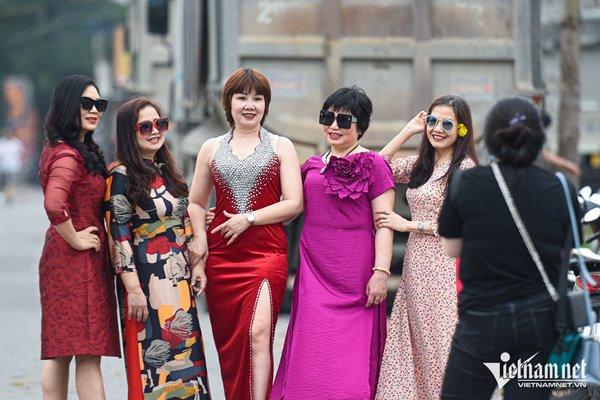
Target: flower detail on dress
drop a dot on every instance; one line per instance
(348, 178)
(180, 324)
(126, 261)
(121, 208)
(178, 268)
(157, 353)
(180, 207)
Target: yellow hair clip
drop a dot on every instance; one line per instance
(462, 130)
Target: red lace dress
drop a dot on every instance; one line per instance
(256, 261)
(79, 315)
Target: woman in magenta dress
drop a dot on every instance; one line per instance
(336, 332)
(76, 283)
(256, 176)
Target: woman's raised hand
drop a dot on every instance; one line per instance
(417, 123)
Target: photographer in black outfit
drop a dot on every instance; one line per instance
(505, 306)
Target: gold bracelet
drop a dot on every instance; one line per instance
(382, 270)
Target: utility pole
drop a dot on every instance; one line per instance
(570, 90)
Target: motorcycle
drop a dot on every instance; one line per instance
(590, 251)
(589, 203)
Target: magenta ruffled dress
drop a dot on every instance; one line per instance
(334, 344)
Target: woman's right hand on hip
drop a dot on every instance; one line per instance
(137, 305)
(86, 239)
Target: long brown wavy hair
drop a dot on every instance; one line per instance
(140, 174)
(463, 147)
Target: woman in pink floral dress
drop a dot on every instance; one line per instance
(424, 314)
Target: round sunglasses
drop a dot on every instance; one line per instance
(344, 121)
(447, 124)
(145, 128)
(87, 103)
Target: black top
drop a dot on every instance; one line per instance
(495, 265)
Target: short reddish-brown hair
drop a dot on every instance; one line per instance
(245, 80)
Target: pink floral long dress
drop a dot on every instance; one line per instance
(424, 314)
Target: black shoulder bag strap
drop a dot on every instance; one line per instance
(562, 323)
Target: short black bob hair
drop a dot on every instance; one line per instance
(513, 131)
(355, 101)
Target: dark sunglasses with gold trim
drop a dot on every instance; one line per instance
(87, 103)
(344, 121)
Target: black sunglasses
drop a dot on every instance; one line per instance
(88, 103)
(344, 121)
(146, 127)
(447, 124)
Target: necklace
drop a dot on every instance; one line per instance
(327, 157)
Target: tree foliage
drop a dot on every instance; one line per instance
(49, 39)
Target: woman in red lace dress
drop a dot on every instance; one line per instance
(256, 176)
(76, 283)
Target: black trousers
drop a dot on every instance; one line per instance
(520, 328)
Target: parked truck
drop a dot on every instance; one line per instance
(403, 53)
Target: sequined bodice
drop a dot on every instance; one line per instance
(242, 186)
(242, 181)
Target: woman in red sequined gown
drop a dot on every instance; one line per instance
(256, 176)
(76, 284)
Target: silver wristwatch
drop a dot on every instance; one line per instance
(250, 218)
(421, 226)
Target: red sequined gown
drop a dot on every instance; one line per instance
(79, 315)
(237, 272)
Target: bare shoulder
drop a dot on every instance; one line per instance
(208, 148)
(284, 147)
(285, 143)
(211, 143)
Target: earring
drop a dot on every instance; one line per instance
(462, 130)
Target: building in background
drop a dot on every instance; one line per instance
(403, 53)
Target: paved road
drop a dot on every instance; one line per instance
(21, 238)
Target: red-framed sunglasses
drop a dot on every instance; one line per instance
(146, 127)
